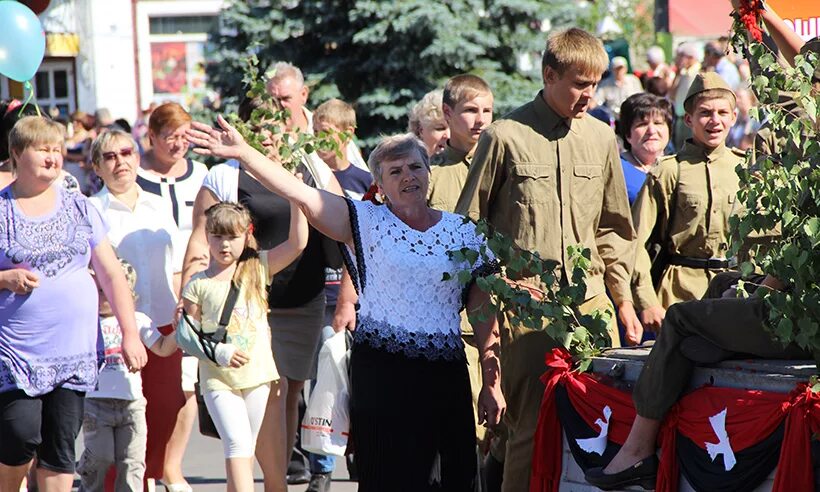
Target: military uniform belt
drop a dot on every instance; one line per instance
(704, 263)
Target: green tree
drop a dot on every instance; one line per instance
(633, 18)
(384, 55)
(529, 291)
(781, 192)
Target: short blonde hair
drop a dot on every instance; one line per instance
(337, 113)
(34, 130)
(395, 147)
(427, 110)
(463, 87)
(104, 139)
(575, 47)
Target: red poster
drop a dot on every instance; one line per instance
(168, 67)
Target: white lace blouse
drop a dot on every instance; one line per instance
(405, 306)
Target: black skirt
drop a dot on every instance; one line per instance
(412, 422)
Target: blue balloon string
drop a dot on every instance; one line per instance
(28, 88)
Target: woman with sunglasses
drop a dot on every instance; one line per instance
(144, 233)
(49, 352)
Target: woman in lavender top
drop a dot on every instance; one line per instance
(50, 345)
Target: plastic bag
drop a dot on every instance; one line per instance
(326, 426)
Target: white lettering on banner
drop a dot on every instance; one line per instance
(805, 28)
(597, 444)
(723, 446)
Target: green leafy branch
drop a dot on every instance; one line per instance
(533, 293)
(780, 191)
(269, 122)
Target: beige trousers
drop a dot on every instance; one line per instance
(522, 364)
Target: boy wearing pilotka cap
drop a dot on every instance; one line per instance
(686, 203)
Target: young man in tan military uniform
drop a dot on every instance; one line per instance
(550, 177)
(467, 103)
(686, 203)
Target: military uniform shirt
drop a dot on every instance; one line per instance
(448, 173)
(700, 224)
(548, 183)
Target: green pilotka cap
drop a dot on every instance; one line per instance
(708, 81)
(813, 46)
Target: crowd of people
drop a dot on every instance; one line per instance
(144, 245)
(672, 81)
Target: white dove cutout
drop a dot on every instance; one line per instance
(597, 444)
(723, 446)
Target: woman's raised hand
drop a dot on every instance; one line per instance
(225, 142)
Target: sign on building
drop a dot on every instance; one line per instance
(803, 16)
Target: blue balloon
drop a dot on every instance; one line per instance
(22, 41)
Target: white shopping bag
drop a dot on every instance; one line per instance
(326, 424)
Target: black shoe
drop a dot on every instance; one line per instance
(299, 477)
(643, 473)
(319, 482)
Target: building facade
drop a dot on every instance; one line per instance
(120, 54)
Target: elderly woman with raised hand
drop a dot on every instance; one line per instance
(428, 124)
(407, 362)
(645, 126)
(50, 345)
